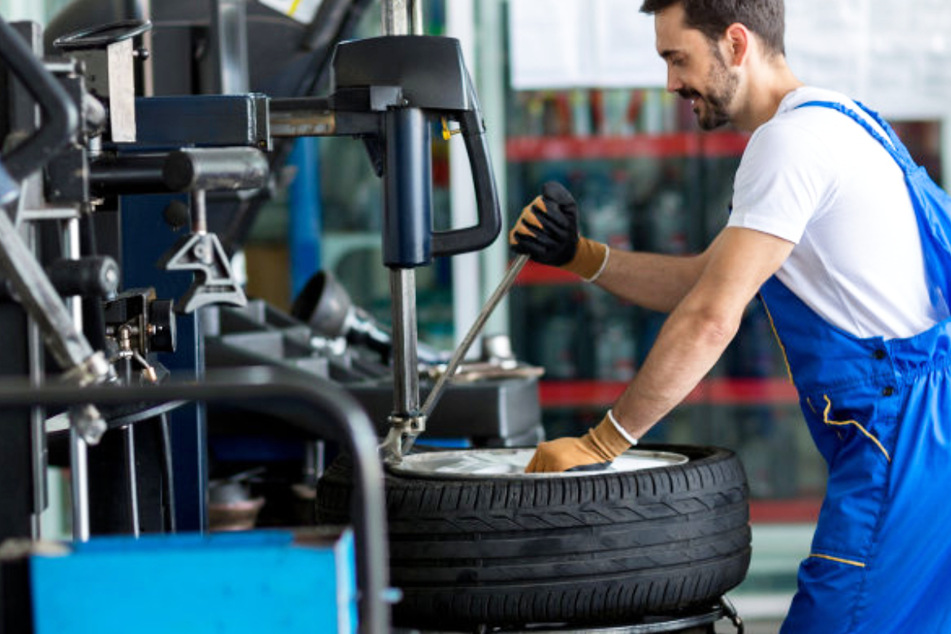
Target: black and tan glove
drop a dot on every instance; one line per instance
(547, 231)
(599, 446)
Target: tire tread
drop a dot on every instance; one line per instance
(582, 550)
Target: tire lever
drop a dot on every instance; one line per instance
(460, 352)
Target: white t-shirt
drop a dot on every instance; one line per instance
(816, 178)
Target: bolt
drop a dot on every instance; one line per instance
(89, 423)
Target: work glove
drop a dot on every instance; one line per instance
(547, 231)
(599, 446)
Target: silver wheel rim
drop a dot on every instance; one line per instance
(508, 463)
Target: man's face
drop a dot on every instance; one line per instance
(696, 69)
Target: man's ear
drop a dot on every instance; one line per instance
(739, 41)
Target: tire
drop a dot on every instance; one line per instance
(588, 549)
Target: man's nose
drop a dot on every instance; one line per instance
(674, 82)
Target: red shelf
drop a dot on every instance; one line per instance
(535, 274)
(712, 144)
(711, 391)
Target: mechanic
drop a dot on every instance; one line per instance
(846, 241)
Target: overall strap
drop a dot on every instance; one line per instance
(931, 203)
(893, 145)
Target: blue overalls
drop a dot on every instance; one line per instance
(880, 414)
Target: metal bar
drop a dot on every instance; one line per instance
(400, 18)
(474, 330)
(36, 359)
(230, 40)
(37, 295)
(128, 434)
(79, 454)
(79, 484)
(415, 12)
(37, 427)
(405, 361)
(131, 174)
(199, 212)
(147, 74)
(328, 412)
(492, 87)
(303, 123)
(396, 17)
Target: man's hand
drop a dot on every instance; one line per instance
(600, 444)
(547, 231)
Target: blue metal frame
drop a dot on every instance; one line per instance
(235, 583)
(306, 213)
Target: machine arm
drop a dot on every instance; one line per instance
(61, 118)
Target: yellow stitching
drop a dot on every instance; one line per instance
(772, 325)
(857, 564)
(825, 417)
(811, 406)
(293, 7)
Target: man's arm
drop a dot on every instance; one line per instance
(692, 339)
(701, 326)
(651, 280)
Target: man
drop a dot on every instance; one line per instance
(847, 242)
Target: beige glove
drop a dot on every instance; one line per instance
(547, 231)
(602, 443)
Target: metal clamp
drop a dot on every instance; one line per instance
(402, 435)
(201, 252)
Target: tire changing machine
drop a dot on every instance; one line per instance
(372, 100)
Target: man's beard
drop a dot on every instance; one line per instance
(723, 86)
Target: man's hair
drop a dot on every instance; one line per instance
(765, 18)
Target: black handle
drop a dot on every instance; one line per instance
(61, 118)
(489, 223)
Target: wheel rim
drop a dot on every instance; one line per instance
(508, 463)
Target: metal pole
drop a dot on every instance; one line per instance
(416, 15)
(466, 273)
(79, 483)
(78, 448)
(37, 428)
(132, 474)
(199, 212)
(230, 32)
(406, 374)
(491, 86)
(403, 17)
(397, 17)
